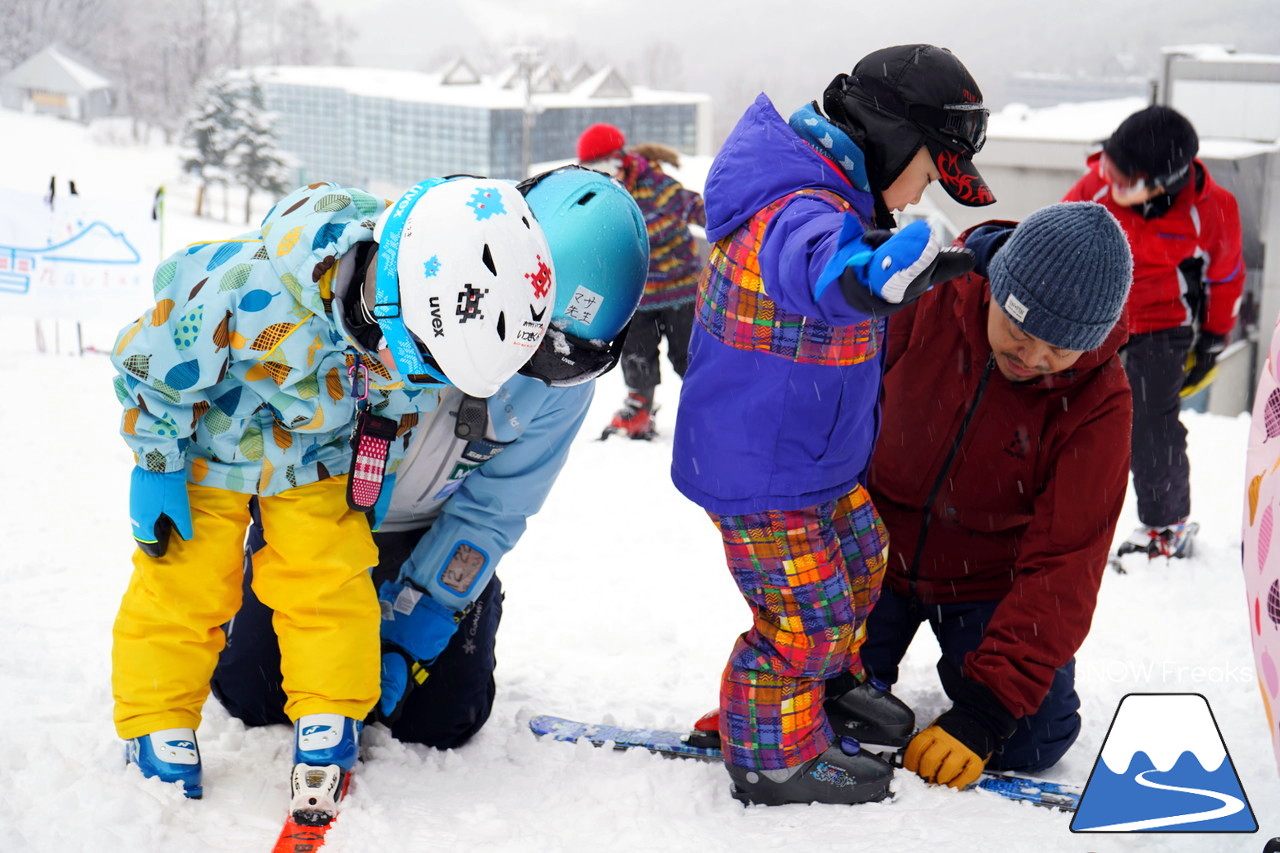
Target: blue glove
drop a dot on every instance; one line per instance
(415, 630)
(158, 503)
(880, 272)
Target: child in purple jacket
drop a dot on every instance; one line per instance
(779, 406)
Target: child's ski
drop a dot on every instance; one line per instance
(677, 745)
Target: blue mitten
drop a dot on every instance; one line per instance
(158, 503)
(880, 272)
(415, 630)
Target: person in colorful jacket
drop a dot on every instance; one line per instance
(1187, 282)
(473, 473)
(779, 408)
(1000, 473)
(264, 361)
(667, 307)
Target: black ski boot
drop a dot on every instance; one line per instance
(843, 775)
(870, 713)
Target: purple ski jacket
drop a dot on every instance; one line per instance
(779, 407)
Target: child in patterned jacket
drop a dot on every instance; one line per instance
(288, 366)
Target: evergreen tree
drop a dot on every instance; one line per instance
(209, 134)
(254, 161)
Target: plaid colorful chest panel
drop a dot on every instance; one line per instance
(733, 307)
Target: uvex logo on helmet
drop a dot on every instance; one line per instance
(437, 325)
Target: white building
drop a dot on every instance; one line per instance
(54, 82)
(385, 129)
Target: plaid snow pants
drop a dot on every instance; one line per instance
(811, 577)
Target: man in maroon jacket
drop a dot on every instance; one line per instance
(1000, 471)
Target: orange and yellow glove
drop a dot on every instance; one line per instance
(938, 756)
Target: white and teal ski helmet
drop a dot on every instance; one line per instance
(600, 251)
(464, 283)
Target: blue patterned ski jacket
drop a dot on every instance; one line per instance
(240, 374)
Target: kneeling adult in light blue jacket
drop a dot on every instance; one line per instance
(471, 475)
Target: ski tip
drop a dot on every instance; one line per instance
(299, 838)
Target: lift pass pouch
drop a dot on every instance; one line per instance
(370, 445)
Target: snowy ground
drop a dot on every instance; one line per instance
(618, 608)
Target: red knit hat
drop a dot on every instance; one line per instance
(598, 142)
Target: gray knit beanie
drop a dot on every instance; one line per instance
(1064, 274)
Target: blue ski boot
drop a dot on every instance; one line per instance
(170, 755)
(325, 749)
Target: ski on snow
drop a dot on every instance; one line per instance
(300, 838)
(1038, 792)
(314, 809)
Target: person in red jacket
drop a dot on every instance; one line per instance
(1188, 277)
(1000, 471)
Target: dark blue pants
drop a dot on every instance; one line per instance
(1040, 739)
(443, 712)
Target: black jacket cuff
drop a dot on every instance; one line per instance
(977, 718)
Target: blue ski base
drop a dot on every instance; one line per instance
(675, 744)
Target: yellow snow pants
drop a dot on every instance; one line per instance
(313, 572)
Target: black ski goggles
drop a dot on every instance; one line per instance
(960, 127)
(563, 360)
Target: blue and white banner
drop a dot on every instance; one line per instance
(78, 259)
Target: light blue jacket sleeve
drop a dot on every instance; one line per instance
(485, 518)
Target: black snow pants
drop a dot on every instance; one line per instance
(1155, 362)
(443, 712)
(640, 352)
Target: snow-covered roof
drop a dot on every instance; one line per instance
(1219, 53)
(1086, 122)
(1090, 122)
(422, 87)
(53, 70)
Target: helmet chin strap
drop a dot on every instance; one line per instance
(368, 288)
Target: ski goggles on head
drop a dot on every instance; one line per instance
(430, 375)
(960, 127)
(410, 354)
(563, 360)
